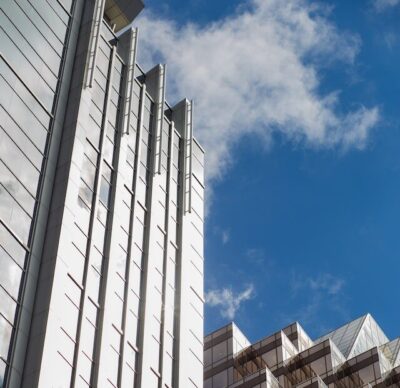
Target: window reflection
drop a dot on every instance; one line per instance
(11, 246)
(105, 191)
(8, 305)
(5, 336)
(10, 274)
(2, 372)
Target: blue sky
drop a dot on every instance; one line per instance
(304, 198)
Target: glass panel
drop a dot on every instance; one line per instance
(11, 246)
(113, 366)
(8, 305)
(63, 371)
(97, 260)
(98, 235)
(24, 169)
(153, 380)
(76, 265)
(67, 4)
(5, 337)
(87, 340)
(36, 18)
(10, 274)
(105, 191)
(80, 239)
(83, 214)
(88, 171)
(70, 318)
(86, 371)
(102, 213)
(85, 193)
(24, 48)
(21, 139)
(19, 104)
(2, 372)
(93, 131)
(134, 305)
(93, 283)
(116, 308)
(108, 150)
(130, 157)
(22, 66)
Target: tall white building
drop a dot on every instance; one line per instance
(101, 206)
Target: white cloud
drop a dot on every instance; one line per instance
(391, 40)
(225, 236)
(327, 282)
(259, 72)
(316, 296)
(228, 300)
(382, 5)
(324, 282)
(256, 255)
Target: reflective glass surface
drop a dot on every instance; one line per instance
(32, 38)
(5, 337)
(2, 372)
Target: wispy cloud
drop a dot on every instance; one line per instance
(259, 72)
(225, 236)
(255, 255)
(228, 300)
(391, 39)
(324, 282)
(382, 5)
(316, 296)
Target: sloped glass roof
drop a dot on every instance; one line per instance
(391, 351)
(357, 336)
(344, 336)
(369, 336)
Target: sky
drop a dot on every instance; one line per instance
(297, 106)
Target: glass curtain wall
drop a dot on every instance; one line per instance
(33, 37)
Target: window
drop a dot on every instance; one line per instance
(105, 188)
(153, 380)
(8, 305)
(5, 337)
(2, 371)
(10, 245)
(10, 275)
(70, 318)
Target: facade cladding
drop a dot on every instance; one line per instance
(356, 355)
(101, 206)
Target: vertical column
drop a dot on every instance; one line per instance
(116, 344)
(130, 76)
(94, 41)
(169, 287)
(86, 302)
(155, 80)
(188, 148)
(183, 114)
(45, 268)
(153, 268)
(189, 330)
(129, 348)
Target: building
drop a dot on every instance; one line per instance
(356, 355)
(101, 206)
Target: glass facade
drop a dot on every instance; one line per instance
(102, 301)
(289, 358)
(33, 37)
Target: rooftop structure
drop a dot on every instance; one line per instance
(356, 355)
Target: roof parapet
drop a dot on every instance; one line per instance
(121, 13)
